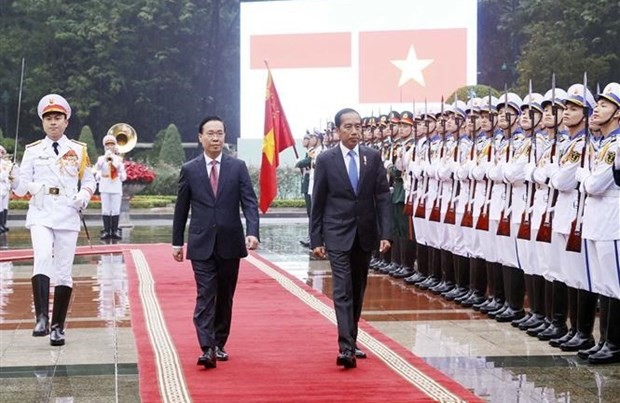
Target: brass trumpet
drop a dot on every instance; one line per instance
(125, 135)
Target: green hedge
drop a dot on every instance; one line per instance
(144, 201)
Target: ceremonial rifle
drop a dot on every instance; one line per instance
(525, 227)
(544, 231)
(413, 182)
(450, 217)
(435, 215)
(503, 228)
(574, 238)
(485, 210)
(420, 211)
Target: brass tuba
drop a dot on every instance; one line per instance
(125, 135)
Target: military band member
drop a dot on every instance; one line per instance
(51, 170)
(574, 271)
(304, 166)
(6, 171)
(110, 173)
(600, 225)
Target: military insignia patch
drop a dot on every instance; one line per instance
(574, 156)
(610, 157)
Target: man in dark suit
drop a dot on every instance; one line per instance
(351, 216)
(214, 185)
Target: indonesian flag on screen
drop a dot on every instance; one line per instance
(390, 66)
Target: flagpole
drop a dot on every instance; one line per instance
(269, 73)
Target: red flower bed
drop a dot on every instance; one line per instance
(138, 173)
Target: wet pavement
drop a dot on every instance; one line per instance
(496, 361)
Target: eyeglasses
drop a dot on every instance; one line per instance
(214, 134)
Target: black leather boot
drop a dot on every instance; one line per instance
(62, 298)
(115, 231)
(516, 290)
(41, 295)
(572, 301)
(586, 312)
(537, 303)
(559, 310)
(603, 321)
(105, 232)
(3, 228)
(610, 352)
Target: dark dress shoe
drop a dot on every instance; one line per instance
(221, 354)
(474, 299)
(57, 336)
(496, 312)
(415, 278)
(304, 243)
(557, 342)
(207, 359)
(517, 322)
(608, 354)
(580, 341)
(494, 305)
(534, 321)
(404, 272)
(360, 354)
(347, 360)
(509, 315)
(584, 354)
(483, 304)
(545, 331)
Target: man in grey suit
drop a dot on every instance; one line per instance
(214, 185)
(351, 216)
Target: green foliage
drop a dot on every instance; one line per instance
(140, 201)
(153, 155)
(165, 182)
(171, 152)
(86, 136)
(122, 61)
(470, 91)
(289, 182)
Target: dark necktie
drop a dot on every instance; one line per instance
(353, 171)
(55, 145)
(213, 176)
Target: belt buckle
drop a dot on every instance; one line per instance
(53, 191)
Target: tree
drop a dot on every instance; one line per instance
(86, 136)
(172, 148)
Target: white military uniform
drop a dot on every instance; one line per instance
(5, 186)
(601, 220)
(110, 175)
(52, 218)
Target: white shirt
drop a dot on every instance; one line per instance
(208, 160)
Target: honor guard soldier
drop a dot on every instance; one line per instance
(506, 206)
(574, 271)
(304, 166)
(555, 294)
(7, 170)
(110, 173)
(601, 231)
(56, 172)
(404, 238)
(520, 170)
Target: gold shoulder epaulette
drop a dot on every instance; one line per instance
(33, 144)
(79, 142)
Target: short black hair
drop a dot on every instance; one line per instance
(209, 119)
(338, 117)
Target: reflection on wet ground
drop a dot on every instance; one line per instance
(494, 360)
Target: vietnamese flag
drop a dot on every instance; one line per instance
(278, 137)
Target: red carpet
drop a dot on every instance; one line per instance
(281, 348)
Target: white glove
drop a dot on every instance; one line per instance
(80, 200)
(581, 174)
(387, 164)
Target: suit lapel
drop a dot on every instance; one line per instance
(223, 174)
(363, 167)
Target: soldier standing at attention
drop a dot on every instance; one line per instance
(50, 171)
(110, 173)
